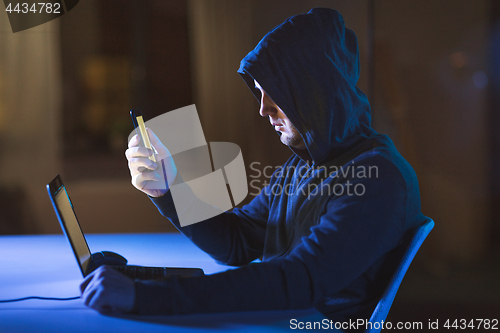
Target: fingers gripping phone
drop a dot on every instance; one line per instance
(140, 128)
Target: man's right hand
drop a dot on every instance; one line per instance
(147, 176)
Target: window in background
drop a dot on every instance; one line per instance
(117, 56)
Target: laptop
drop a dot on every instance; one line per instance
(87, 261)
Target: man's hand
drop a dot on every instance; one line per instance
(148, 176)
(106, 289)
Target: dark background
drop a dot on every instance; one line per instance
(431, 70)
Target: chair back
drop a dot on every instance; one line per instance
(384, 305)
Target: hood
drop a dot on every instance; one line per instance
(309, 66)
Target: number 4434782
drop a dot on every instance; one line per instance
(488, 324)
(36, 8)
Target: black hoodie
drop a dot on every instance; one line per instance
(326, 224)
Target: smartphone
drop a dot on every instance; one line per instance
(140, 128)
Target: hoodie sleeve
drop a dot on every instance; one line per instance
(231, 238)
(352, 234)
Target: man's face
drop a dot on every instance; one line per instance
(289, 134)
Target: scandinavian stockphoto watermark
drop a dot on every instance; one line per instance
(260, 178)
(359, 324)
(365, 325)
(211, 177)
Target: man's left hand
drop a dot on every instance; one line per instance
(106, 290)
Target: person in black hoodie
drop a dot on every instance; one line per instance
(327, 222)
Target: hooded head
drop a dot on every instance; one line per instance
(309, 67)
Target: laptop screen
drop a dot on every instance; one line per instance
(69, 223)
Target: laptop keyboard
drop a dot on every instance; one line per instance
(142, 273)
